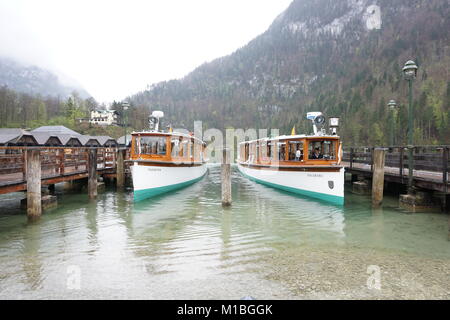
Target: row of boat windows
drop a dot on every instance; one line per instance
(158, 146)
(325, 150)
(150, 145)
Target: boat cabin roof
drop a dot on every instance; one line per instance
(292, 137)
(159, 133)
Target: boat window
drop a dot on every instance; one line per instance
(273, 150)
(152, 145)
(325, 150)
(175, 147)
(184, 148)
(282, 151)
(296, 150)
(263, 150)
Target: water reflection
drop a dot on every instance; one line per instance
(185, 244)
(31, 261)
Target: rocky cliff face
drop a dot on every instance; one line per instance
(343, 58)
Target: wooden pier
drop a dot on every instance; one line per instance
(28, 168)
(430, 167)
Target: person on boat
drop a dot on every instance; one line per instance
(298, 155)
(317, 154)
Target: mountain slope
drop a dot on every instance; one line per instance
(340, 57)
(34, 80)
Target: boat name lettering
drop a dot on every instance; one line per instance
(315, 175)
(154, 169)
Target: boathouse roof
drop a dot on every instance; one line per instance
(16, 136)
(56, 130)
(44, 138)
(106, 141)
(70, 140)
(89, 141)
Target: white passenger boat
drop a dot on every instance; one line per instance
(308, 165)
(164, 161)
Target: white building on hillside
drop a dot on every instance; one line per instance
(103, 117)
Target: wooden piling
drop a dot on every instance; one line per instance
(92, 174)
(226, 178)
(24, 164)
(34, 207)
(379, 156)
(120, 168)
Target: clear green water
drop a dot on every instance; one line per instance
(185, 245)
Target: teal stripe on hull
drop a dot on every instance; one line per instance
(148, 193)
(317, 195)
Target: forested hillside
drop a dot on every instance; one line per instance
(22, 110)
(343, 58)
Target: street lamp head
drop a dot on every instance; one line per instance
(392, 104)
(125, 105)
(410, 70)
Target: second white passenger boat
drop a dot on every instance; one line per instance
(308, 165)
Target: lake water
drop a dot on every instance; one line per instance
(269, 245)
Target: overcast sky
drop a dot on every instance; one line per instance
(116, 48)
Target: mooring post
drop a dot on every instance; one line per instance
(92, 173)
(24, 164)
(120, 168)
(379, 156)
(226, 178)
(34, 208)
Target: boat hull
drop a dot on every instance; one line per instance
(153, 180)
(327, 186)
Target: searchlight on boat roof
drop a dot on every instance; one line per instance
(154, 121)
(317, 119)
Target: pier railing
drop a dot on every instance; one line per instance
(55, 161)
(429, 162)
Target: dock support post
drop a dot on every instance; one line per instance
(34, 207)
(24, 164)
(120, 168)
(92, 174)
(226, 178)
(379, 156)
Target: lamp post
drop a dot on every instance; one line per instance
(125, 106)
(410, 72)
(392, 106)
